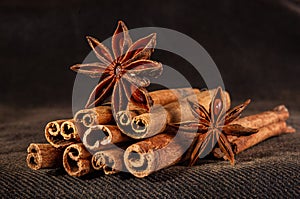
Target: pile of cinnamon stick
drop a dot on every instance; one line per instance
(140, 142)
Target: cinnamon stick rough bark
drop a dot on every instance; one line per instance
(94, 116)
(159, 98)
(155, 153)
(103, 114)
(53, 134)
(257, 121)
(41, 156)
(155, 122)
(111, 160)
(244, 142)
(167, 96)
(279, 113)
(77, 160)
(99, 136)
(69, 131)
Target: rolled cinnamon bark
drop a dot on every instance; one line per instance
(244, 142)
(42, 156)
(111, 160)
(159, 98)
(103, 114)
(257, 121)
(77, 160)
(53, 134)
(96, 137)
(123, 120)
(94, 116)
(167, 96)
(69, 131)
(155, 122)
(279, 113)
(155, 153)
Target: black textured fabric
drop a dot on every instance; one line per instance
(270, 169)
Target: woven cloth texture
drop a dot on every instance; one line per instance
(270, 169)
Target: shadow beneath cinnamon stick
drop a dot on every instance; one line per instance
(56, 172)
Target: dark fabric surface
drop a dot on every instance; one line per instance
(270, 169)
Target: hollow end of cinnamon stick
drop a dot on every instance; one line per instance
(96, 137)
(152, 154)
(69, 131)
(94, 116)
(149, 124)
(124, 119)
(77, 160)
(53, 134)
(111, 161)
(42, 156)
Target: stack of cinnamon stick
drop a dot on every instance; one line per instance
(137, 141)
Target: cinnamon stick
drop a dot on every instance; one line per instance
(279, 113)
(41, 156)
(77, 160)
(96, 137)
(244, 142)
(157, 120)
(94, 116)
(166, 96)
(257, 121)
(111, 160)
(155, 153)
(69, 131)
(103, 114)
(53, 134)
(159, 98)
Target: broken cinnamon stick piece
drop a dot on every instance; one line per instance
(96, 137)
(111, 160)
(77, 160)
(53, 134)
(155, 153)
(42, 156)
(157, 120)
(244, 142)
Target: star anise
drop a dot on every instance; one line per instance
(123, 75)
(214, 125)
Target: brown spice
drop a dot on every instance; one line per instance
(77, 160)
(101, 136)
(53, 134)
(157, 120)
(111, 160)
(157, 152)
(42, 156)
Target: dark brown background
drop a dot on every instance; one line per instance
(255, 44)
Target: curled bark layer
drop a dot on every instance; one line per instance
(155, 153)
(42, 156)
(157, 120)
(160, 98)
(53, 134)
(97, 137)
(244, 142)
(94, 116)
(77, 160)
(111, 160)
